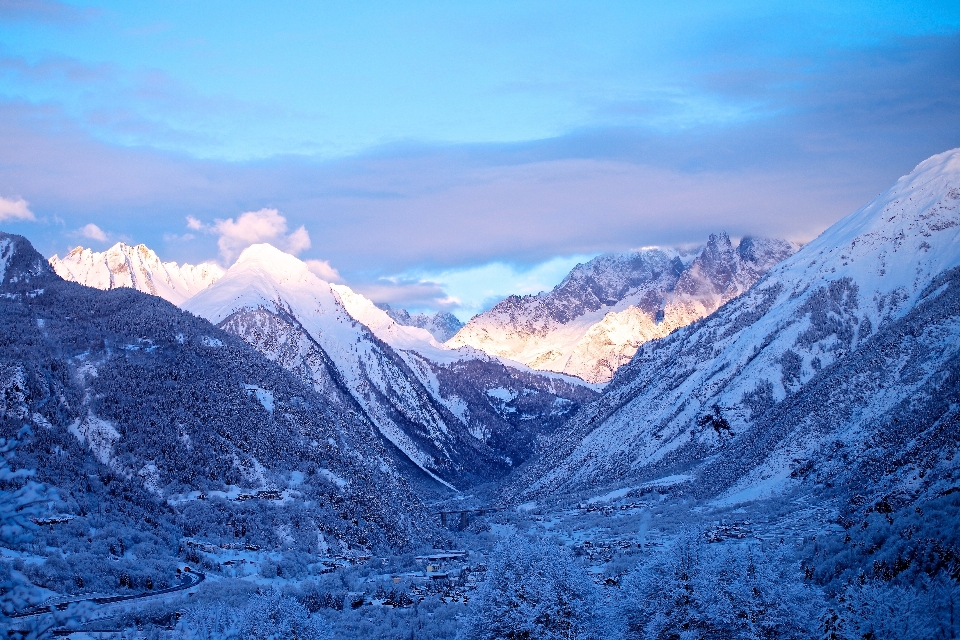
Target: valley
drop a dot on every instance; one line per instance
(753, 441)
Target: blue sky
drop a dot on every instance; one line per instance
(420, 144)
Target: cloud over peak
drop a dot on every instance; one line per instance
(264, 225)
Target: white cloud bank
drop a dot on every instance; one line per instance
(18, 209)
(265, 225)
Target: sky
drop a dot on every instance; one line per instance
(442, 155)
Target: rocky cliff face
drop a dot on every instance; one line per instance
(593, 322)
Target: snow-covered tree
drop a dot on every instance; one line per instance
(21, 501)
(213, 621)
(266, 616)
(927, 608)
(272, 616)
(534, 591)
(698, 590)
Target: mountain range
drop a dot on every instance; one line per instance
(592, 323)
(460, 416)
(148, 418)
(138, 268)
(588, 326)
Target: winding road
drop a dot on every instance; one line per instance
(191, 579)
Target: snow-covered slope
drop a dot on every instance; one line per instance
(397, 335)
(850, 345)
(593, 322)
(137, 268)
(429, 401)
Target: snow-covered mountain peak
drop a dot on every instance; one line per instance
(136, 267)
(265, 277)
(274, 262)
(916, 222)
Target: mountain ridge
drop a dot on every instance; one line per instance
(137, 267)
(594, 320)
(402, 378)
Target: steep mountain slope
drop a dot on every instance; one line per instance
(593, 321)
(448, 424)
(138, 410)
(841, 363)
(441, 325)
(502, 403)
(137, 268)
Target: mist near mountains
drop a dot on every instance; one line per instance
(751, 441)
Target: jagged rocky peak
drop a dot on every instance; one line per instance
(724, 272)
(136, 267)
(608, 279)
(592, 322)
(442, 325)
(715, 268)
(267, 256)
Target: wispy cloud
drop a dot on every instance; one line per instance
(15, 209)
(414, 295)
